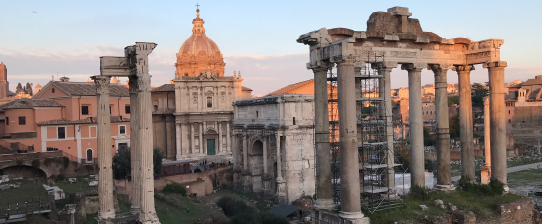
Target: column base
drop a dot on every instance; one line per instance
(151, 219)
(506, 189)
(324, 204)
(266, 186)
(134, 210)
(354, 217)
(445, 188)
(247, 181)
(106, 215)
(119, 219)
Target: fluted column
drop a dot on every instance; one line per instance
(384, 69)
(498, 121)
(323, 156)
(465, 121)
(193, 140)
(228, 140)
(350, 181)
(219, 148)
(201, 148)
(105, 177)
(135, 196)
(417, 163)
(148, 213)
(444, 179)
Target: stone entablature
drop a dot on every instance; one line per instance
(259, 126)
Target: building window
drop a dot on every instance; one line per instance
(209, 102)
(53, 90)
(22, 120)
(127, 109)
(155, 107)
(109, 109)
(257, 114)
(89, 155)
(84, 110)
(61, 132)
(122, 146)
(122, 129)
(293, 121)
(508, 111)
(7, 120)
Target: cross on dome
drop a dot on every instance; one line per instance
(198, 24)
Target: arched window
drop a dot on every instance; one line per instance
(89, 155)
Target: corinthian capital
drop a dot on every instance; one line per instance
(102, 84)
(319, 66)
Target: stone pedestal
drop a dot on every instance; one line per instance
(105, 177)
(329, 217)
(247, 181)
(280, 196)
(485, 174)
(266, 186)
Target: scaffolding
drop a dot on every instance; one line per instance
(381, 175)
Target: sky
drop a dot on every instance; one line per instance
(40, 39)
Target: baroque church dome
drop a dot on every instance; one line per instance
(199, 53)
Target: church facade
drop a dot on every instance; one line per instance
(197, 105)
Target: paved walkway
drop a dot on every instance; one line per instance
(512, 169)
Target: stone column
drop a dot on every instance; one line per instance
(135, 196)
(350, 181)
(245, 152)
(246, 173)
(236, 168)
(323, 156)
(201, 148)
(219, 148)
(280, 196)
(417, 163)
(148, 213)
(178, 135)
(444, 179)
(105, 177)
(487, 128)
(265, 177)
(498, 121)
(192, 140)
(384, 69)
(264, 155)
(228, 140)
(465, 121)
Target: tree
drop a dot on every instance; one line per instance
(122, 165)
(478, 94)
(428, 140)
(157, 161)
(454, 127)
(453, 100)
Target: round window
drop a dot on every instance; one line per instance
(53, 90)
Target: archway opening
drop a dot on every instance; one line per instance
(89, 155)
(25, 172)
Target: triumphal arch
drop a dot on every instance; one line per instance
(394, 40)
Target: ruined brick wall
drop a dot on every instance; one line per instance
(526, 125)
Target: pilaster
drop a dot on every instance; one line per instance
(280, 195)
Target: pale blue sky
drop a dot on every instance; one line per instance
(256, 37)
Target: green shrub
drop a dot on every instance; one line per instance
(494, 187)
(36, 163)
(157, 158)
(175, 188)
(232, 206)
(420, 193)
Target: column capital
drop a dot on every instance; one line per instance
(463, 68)
(495, 64)
(102, 84)
(384, 65)
(413, 66)
(319, 66)
(343, 59)
(436, 67)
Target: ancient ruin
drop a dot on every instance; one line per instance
(135, 66)
(399, 40)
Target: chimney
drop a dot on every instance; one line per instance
(64, 79)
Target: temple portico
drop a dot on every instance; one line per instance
(393, 38)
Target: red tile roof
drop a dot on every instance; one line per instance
(291, 87)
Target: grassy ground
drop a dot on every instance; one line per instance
(522, 161)
(525, 177)
(482, 206)
(24, 193)
(78, 187)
